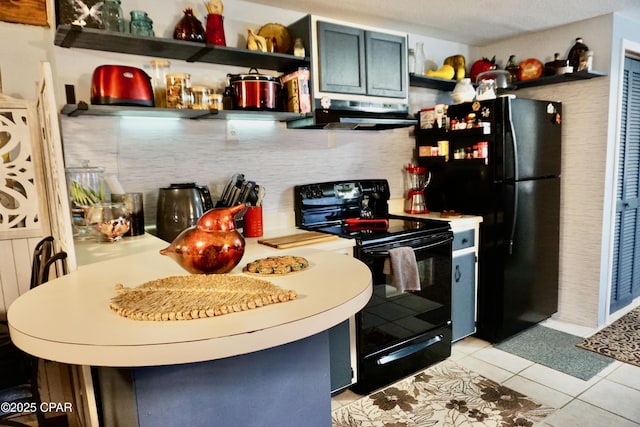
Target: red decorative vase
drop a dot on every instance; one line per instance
(189, 28)
(215, 30)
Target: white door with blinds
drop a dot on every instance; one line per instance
(625, 284)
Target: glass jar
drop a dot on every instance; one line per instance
(141, 24)
(178, 93)
(86, 186)
(108, 221)
(159, 71)
(487, 89)
(202, 98)
(112, 18)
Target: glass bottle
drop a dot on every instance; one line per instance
(141, 24)
(576, 52)
(412, 61)
(112, 19)
(420, 58)
(298, 48)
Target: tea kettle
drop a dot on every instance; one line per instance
(179, 207)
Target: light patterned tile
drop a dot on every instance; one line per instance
(581, 414)
(626, 374)
(469, 345)
(614, 397)
(503, 359)
(485, 369)
(557, 380)
(538, 392)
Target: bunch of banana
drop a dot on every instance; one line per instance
(83, 196)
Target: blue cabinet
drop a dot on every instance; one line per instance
(463, 284)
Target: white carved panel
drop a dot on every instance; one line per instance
(20, 215)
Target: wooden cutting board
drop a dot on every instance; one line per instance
(298, 239)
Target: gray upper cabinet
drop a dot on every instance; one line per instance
(386, 65)
(355, 61)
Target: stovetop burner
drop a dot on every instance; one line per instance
(398, 226)
(329, 207)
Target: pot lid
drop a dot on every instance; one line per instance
(252, 76)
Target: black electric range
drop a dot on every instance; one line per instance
(357, 209)
(397, 333)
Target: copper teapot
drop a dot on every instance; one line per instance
(212, 246)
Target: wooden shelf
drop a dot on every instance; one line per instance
(74, 36)
(449, 85)
(560, 78)
(431, 82)
(83, 109)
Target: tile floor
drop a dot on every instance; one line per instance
(611, 398)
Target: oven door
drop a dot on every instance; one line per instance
(399, 333)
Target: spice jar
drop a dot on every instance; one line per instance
(178, 93)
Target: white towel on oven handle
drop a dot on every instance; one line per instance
(403, 267)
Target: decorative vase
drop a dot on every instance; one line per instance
(212, 246)
(215, 30)
(189, 28)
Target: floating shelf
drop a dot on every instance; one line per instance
(83, 109)
(449, 85)
(74, 36)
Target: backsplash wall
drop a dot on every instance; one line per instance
(146, 154)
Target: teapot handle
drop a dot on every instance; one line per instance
(205, 196)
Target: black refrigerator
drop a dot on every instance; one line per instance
(506, 168)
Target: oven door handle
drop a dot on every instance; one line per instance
(385, 254)
(407, 351)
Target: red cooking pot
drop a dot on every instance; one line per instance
(254, 91)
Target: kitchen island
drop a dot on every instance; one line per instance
(267, 366)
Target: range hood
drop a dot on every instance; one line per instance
(355, 115)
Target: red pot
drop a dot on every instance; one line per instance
(254, 91)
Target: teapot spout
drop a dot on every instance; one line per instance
(219, 219)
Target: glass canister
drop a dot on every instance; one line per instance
(112, 18)
(159, 70)
(141, 24)
(178, 90)
(202, 98)
(86, 186)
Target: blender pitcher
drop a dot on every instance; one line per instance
(417, 179)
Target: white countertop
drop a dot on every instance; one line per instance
(396, 207)
(68, 319)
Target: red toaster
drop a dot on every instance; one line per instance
(121, 85)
